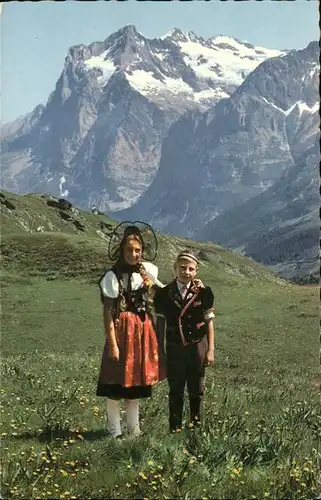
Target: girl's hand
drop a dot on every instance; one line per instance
(113, 352)
(210, 358)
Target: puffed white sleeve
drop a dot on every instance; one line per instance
(152, 273)
(208, 303)
(109, 285)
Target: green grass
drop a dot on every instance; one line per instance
(261, 436)
(31, 211)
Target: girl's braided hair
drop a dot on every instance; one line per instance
(120, 266)
(144, 234)
(138, 268)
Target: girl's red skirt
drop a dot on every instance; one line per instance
(141, 360)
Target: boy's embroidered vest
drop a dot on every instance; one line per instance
(188, 319)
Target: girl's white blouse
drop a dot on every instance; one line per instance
(110, 287)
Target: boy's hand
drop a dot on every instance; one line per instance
(199, 283)
(210, 357)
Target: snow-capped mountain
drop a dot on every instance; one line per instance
(177, 65)
(98, 138)
(200, 71)
(179, 131)
(214, 161)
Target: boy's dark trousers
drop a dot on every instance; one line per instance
(185, 365)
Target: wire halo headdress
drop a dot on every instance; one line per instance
(127, 228)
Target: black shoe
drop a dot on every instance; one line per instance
(177, 430)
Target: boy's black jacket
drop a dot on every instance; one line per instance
(184, 317)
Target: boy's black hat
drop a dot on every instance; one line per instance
(188, 254)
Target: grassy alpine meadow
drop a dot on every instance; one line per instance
(261, 434)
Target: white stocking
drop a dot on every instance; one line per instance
(132, 413)
(113, 414)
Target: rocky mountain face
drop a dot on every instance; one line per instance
(279, 227)
(214, 161)
(98, 139)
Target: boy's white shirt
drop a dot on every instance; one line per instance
(181, 285)
(110, 286)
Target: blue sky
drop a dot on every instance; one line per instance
(35, 37)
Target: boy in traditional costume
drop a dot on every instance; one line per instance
(132, 359)
(187, 308)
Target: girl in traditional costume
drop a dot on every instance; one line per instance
(132, 360)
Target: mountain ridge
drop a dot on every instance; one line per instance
(53, 238)
(237, 149)
(175, 73)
